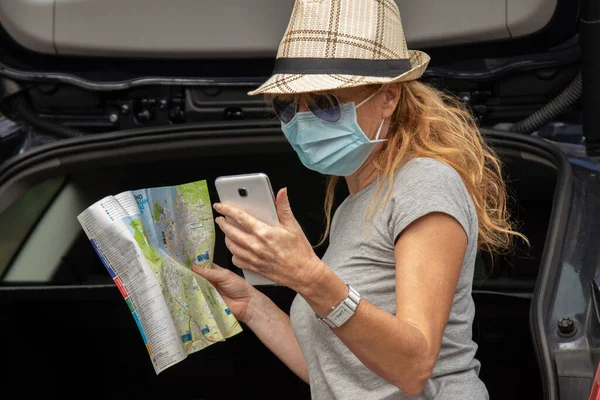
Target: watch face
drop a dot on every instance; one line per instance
(341, 315)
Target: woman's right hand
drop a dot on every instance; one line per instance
(235, 291)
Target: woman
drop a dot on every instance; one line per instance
(392, 295)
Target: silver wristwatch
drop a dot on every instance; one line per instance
(343, 311)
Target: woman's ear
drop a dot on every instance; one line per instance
(391, 97)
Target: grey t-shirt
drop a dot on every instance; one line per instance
(362, 255)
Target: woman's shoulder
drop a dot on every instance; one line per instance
(425, 185)
(427, 169)
(427, 180)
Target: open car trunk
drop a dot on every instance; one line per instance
(81, 318)
(116, 97)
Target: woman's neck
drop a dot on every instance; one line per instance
(361, 179)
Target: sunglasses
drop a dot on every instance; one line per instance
(326, 107)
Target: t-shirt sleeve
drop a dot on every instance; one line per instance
(425, 186)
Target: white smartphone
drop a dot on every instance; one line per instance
(253, 194)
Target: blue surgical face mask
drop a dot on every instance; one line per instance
(331, 148)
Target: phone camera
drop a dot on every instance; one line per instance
(243, 192)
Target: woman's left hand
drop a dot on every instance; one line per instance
(281, 253)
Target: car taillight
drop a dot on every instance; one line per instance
(595, 392)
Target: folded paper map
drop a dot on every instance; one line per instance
(148, 240)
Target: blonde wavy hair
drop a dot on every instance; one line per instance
(430, 123)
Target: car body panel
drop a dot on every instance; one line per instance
(177, 28)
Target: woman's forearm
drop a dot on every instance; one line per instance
(274, 329)
(393, 349)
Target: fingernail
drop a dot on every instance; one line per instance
(218, 220)
(217, 206)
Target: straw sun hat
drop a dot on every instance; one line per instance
(335, 44)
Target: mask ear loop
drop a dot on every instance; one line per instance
(379, 130)
(370, 97)
(382, 122)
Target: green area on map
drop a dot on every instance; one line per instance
(175, 230)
